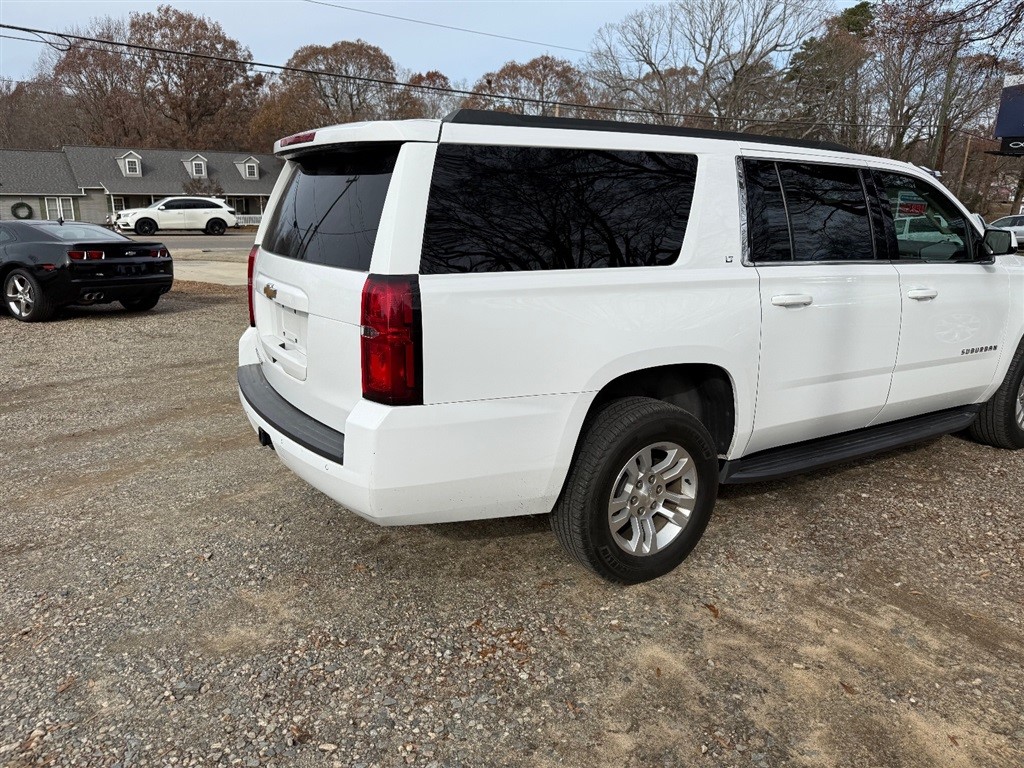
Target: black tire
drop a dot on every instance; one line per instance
(1000, 422)
(216, 227)
(145, 227)
(142, 303)
(25, 299)
(582, 519)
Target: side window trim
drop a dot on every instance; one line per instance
(789, 218)
(883, 227)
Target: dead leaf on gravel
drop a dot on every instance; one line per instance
(299, 734)
(713, 608)
(848, 688)
(657, 671)
(953, 740)
(66, 684)
(545, 585)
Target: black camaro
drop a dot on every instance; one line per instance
(47, 264)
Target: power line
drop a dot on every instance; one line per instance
(136, 49)
(444, 26)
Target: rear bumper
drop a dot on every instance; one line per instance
(425, 464)
(64, 286)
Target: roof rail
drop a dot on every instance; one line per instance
(487, 117)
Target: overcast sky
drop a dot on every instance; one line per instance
(273, 29)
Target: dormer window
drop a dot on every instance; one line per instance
(248, 168)
(198, 169)
(132, 167)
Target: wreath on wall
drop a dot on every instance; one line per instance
(21, 211)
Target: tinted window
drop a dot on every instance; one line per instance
(72, 233)
(176, 205)
(767, 225)
(331, 206)
(5, 236)
(936, 230)
(828, 212)
(505, 209)
(806, 212)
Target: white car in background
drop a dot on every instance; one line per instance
(1013, 223)
(207, 214)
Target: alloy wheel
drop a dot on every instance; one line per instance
(20, 297)
(652, 498)
(1019, 405)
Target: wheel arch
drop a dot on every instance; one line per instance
(708, 391)
(9, 266)
(705, 390)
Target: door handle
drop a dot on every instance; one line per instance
(922, 294)
(792, 300)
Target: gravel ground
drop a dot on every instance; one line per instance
(174, 596)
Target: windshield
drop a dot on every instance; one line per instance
(159, 202)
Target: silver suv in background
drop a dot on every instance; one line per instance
(1013, 223)
(207, 214)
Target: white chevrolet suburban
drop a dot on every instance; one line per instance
(494, 315)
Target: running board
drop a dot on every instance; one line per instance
(836, 449)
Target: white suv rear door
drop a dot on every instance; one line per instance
(830, 306)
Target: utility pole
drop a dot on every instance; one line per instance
(963, 168)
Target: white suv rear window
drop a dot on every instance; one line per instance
(331, 206)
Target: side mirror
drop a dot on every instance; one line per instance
(997, 242)
(162, 208)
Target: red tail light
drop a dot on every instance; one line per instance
(392, 340)
(85, 255)
(298, 138)
(250, 270)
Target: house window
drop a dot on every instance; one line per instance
(132, 167)
(198, 168)
(251, 171)
(238, 203)
(117, 203)
(60, 208)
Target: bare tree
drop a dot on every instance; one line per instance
(721, 58)
(150, 98)
(543, 79)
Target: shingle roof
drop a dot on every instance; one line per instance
(34, 172)
(163, 170)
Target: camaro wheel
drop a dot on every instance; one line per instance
(640, 492)
(142, 303)
(215, 227)
(145, 227)
(24, 297)
(1001, 421)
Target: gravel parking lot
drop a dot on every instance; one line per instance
(173, 596)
